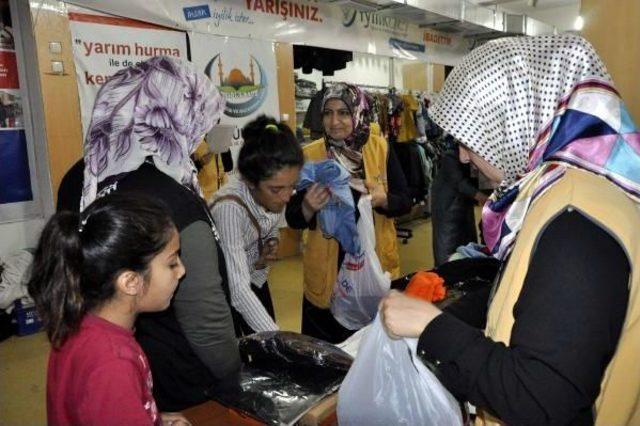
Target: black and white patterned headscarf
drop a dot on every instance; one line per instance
(501, 95)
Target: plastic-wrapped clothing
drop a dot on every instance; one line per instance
(283, 375)
(13, 277)
(337, 218)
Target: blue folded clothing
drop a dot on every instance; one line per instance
(337, 218)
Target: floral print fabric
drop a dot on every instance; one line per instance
(159, 109)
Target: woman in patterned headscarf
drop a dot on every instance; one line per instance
(541, 116)
(147, 121)
(373, 169)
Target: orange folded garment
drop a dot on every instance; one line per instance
(427, 286)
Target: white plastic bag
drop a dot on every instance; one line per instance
(361, 282)
(389, 385)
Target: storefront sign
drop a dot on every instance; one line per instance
(196, 12)
(102, 45)
(294, 21)
(287, 9)
(245, 73)
(437, 38)
(375, 21)
(405, 46)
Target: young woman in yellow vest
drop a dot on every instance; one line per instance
(561, 342)
(374, 169)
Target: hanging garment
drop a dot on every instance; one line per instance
(452, 201)
(407, 131)
(420, 121)
(395, 108)
(412, 167)
(313, 117)
(383, 114)
(427, 168)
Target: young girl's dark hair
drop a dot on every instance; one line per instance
(268, 147)
(80, 255)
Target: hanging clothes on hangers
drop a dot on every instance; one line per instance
(420, 120)
(395, 109)
(313, 116)
(407, 131)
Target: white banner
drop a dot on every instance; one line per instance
(296, 21)
(244, 71)
(102, 45)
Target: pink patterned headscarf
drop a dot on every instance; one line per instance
(532, 107)
(160, 109)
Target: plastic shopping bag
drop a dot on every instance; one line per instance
(361, 282)
(389, 385)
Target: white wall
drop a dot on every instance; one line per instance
(562, 17)
(17, 235)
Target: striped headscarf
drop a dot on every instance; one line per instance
(161, 109)
(531, 107)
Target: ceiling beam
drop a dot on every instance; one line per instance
(494, 2)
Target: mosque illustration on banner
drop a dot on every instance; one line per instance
(244, 90)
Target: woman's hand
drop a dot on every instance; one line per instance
(271, 249)
(405, 316)
(315, 199)
(174, 419)
(378, 195)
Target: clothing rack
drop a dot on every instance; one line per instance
(373, 86)
(364, 86)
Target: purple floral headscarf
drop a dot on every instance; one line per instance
(160, 109)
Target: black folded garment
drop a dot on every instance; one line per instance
(283, 375)
(469, 283)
